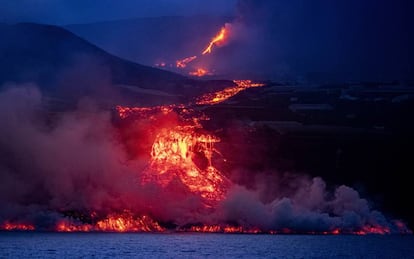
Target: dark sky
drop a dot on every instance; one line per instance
(84, 11)
(348, 38)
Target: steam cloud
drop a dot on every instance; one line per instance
(310, 209)
(75, 161)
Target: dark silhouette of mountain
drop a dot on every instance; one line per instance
(65, 65)
(153, 39)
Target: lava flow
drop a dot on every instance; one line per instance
(183, 62)
(223, 95)
(200, 72)
(114, 223)
(161, 173)
(173, 154)
(12, 226)
(216, 41)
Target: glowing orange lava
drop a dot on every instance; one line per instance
(183, 62)
(200, 72)
(217, 40)
(114, 223)
(11, 226)
(183, 151)
(223, 95)
(173, 154)
(174, 151)
(174, 148)
(147, 112)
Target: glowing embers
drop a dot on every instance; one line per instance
(382, 230)
(114, 223)
(223, 95)
(183, 62)
(200, 72)
(146, 112)
(15, 226)
(221, 229)
(181, 151)
(173, 157)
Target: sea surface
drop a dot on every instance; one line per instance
(190, 245)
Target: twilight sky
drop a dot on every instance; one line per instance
(84, 11)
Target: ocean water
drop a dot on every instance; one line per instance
(190, 245)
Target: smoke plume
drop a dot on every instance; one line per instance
(322, 40)
(76, 163)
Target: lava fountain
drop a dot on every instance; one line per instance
(218, 40)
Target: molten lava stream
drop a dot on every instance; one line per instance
(217, 40)
(200, 72)
(113, 223)
(173, 155)
(223, 95)
(175, 150)
(11, 226)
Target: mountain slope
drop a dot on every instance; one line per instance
(152, 39)
(65, 65)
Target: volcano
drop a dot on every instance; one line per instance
(198, 156)
(68, 67)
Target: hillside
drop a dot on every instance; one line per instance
(67, 66)
(148, 40)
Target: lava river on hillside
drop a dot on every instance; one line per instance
(170, 183)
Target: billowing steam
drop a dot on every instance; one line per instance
(310, 209)
(80, 167)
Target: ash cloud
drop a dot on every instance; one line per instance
(323, 40)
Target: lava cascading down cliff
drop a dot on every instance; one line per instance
(156, 172)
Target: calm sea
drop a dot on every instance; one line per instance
(188, 245)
